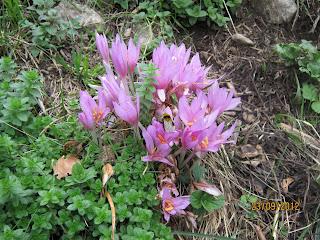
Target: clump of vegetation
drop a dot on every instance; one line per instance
(188, 11)
(172, 102)
(305, 57)
(35, 204)
(47, 28)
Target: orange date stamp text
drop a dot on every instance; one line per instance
(275, 206)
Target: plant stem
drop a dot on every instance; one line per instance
(187, 160)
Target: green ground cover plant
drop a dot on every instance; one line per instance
(305, 57)
(37, 205)
(190, 12)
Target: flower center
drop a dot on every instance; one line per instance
(97, 115)
(205, 142)
(168, 205)
(190, 123)
(193, 137)
(161, 138)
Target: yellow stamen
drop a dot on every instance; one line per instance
(189, 124)
(97, 115)
(161, 138)
(193, 137)
(205, 142)
(168, 205)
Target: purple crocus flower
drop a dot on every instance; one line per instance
(124, 59)
(162, 59)
(133, 55)
(189, 114)
(221, 98)
(156, 153)
(214, 137)
(102, 46)
(126, 109)
(93, 113)
(173, 206)
(111, 85)
(167, 183)
(119, 56)
(159, 135)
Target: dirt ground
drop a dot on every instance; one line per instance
(279, 169)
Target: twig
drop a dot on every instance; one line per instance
(297, 15)
(225, 5)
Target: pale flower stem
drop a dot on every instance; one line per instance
(182, 155)
(187, 160)
(95, 136)
(137, 132)
(176, 153)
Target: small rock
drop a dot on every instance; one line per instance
(248, 117)
(276, 11)
(82, 13)
(242, 39)
(144, 33)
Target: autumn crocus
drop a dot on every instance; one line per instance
(214, 137)
(126, 109)
(111, 85)
(189, 114)
(156, 153)
(133, 55)
(173, 205)
(119, 56)
(124, 58)
(161, 136)
(102, 46)
(167, 183)
(93, 114)
(221, 98)
(162, 59)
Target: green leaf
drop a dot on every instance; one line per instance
(123, 3)
(316, 106)
(198, 171)
(182, 4)
(309, 92)
(208, 3)
(196, 12)
(195, 199)
(211, 203)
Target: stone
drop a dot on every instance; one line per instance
(276, 11)
(83, 14)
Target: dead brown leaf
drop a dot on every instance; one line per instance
(113, 214)
(107, 173)
(285, 184)
(77, 146)
(63, 167)
(208, 188)
(240, 38)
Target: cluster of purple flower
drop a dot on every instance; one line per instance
(185, 99)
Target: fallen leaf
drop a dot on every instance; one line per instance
(285, 184)
(260, 233)
(242, 39)
(248, 151)
(248, 117)
(107, 173)
(63, 167)
(113, 214)
(208, 188)
(73, 144)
